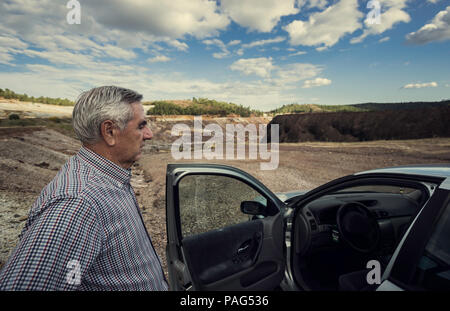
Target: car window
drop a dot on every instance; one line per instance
(209, 202)
(433, 270)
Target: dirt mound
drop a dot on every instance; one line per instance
(364, 126)
(32, 110)
(161, 126)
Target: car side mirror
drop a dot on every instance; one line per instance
(252, 208)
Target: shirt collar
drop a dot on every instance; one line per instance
(105, 166)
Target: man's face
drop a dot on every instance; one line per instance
(131, 140)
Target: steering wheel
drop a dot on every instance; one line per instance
(358, 227)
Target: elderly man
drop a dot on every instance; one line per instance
(85, 231)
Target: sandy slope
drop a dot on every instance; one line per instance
(33, 110)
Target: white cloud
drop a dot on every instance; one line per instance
(292, 73)
(181, 46)
(316, 82)
(419, 85)
(234, 42)
(224, 51)
(6, 58)
(326, 27)
(283, 77)
(385, 39)
(62, 57)
(217, 42)
(260, 67)
(40, 30)
(263, 42)
(392, 13)
(258, 15)
(7, 42)
(159, 59)
(298, 53)
(437, 30)
(174, 19)
(111, 28)
(10, 46)
(259, 43)
(220, 55)
(118, 52)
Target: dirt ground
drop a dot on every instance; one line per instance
(30, 158)
(36, 110)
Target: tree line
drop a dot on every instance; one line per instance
(202, 106)
(8, 94)
(365, 107)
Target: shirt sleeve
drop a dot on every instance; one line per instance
(56, 250)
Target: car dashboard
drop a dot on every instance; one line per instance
(316, 223)
(322, 252)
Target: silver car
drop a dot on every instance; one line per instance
(385, 229)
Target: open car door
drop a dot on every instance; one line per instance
(224, 230)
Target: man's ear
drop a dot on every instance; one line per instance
(109, 132)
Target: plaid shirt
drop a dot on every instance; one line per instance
(85, 232)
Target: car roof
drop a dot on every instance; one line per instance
(435, 170)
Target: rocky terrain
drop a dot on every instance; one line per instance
(424, 122)
(31, 156)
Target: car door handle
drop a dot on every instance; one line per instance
(244, 248)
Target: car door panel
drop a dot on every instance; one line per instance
(242, 256)
(220, 253)
(233, 256)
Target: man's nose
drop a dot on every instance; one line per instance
(148, 133)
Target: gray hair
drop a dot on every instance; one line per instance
(98, 105)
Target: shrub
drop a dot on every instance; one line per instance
(55, 119)
(201, 106)
(14, 116)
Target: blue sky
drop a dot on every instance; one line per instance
(258, 53)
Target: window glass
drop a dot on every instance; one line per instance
(433, 270)
(209, 202)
